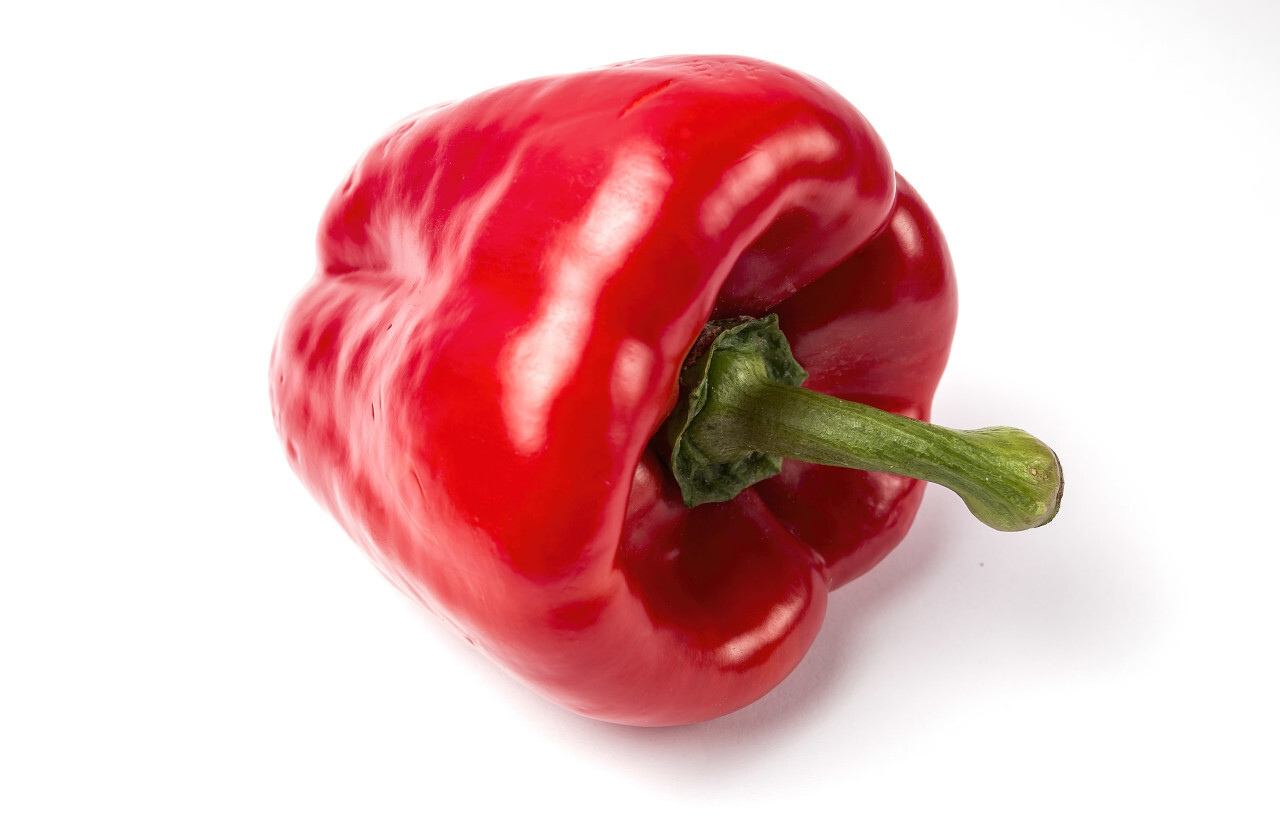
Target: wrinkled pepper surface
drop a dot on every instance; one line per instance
(475, 383)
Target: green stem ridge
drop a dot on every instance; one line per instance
(742, 412)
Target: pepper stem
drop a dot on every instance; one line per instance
(750, 413)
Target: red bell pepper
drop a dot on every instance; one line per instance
(478, 379)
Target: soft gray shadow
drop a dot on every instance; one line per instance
(717, 750)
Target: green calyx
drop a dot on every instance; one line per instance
(742, 412)
(703, 477)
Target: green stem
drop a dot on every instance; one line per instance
(1009, 479)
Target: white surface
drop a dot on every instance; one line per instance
(185, 635)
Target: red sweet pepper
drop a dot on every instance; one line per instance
(479, 379)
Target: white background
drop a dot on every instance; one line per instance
(184, 634)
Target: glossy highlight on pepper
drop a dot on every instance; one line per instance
(475, 380)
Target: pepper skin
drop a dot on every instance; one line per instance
(506, 290)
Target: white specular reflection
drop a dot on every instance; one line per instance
(779, 621)
(756, 172)
(540, 360)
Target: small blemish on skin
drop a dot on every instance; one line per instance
(645, 96)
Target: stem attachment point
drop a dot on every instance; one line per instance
(742, 411)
